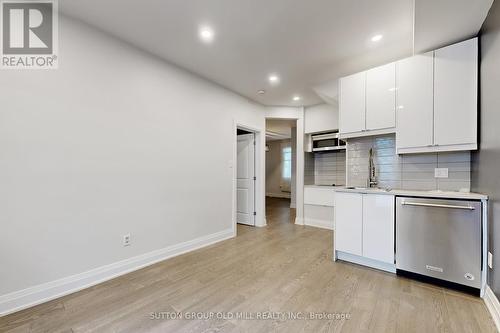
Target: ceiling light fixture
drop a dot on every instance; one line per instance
(206, 34)
(296, 98)
(377, 38)
(261, 92)
(274, 79)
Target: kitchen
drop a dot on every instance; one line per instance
(186, 162)
(394, 180)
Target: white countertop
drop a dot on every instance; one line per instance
(325, 186)
(411, 193)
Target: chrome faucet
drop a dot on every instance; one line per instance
(372, 178)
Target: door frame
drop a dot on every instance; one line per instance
(297, 114)
(251, 199)
(259, 193)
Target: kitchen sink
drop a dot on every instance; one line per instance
(368, 188)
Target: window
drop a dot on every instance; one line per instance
(287, 163)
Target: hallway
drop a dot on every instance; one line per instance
(278, 212)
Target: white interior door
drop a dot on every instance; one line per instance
(245, 179)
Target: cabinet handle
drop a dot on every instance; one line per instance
(407, 203)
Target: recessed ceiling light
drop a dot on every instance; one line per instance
(377, 38)
(206, 34)
(261, 92)
(296, 98)
(274, 79)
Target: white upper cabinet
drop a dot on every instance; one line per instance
(415, 93)
(367, 102)
(321, 118)
(429, 100)
(455, 100)
(352, 103)
(437, 100)
(381, 97)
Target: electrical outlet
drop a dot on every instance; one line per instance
(490, 260)
(126, 240)
(440, 172)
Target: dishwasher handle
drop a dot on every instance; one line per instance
(420, 204)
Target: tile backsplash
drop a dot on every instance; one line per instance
(326, 168)
(330, 168)
(308, 168)
(411, 172)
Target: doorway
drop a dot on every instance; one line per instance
(281, 170)
(245, 177)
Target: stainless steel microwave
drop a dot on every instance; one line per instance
(327, 142)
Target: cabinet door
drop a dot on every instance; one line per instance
(321, 118)
(455, 94)
(381, 97)
(378, 227)
(415, 90)
(348, 222)
(319, 196)
(352, 103)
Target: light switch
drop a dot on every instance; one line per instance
(440, 172)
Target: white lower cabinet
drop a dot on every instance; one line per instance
(349, 222)
(319, 216)
(378, 227)
(364, 228)
(318, 206)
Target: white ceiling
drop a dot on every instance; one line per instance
(307, 42)
(444, 22)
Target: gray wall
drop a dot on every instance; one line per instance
(486, 162)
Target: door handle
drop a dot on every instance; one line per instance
(420, 204)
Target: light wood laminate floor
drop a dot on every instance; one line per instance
(282, 267)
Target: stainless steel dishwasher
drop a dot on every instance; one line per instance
(439, 240)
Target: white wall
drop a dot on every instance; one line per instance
(274, 167)
(320, 118)
(113, 142)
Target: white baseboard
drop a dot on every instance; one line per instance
(391, 268)
(318, 223)
(299, 221)
(493, 306)
(45, 292)
(279, 195)
(263, 224)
